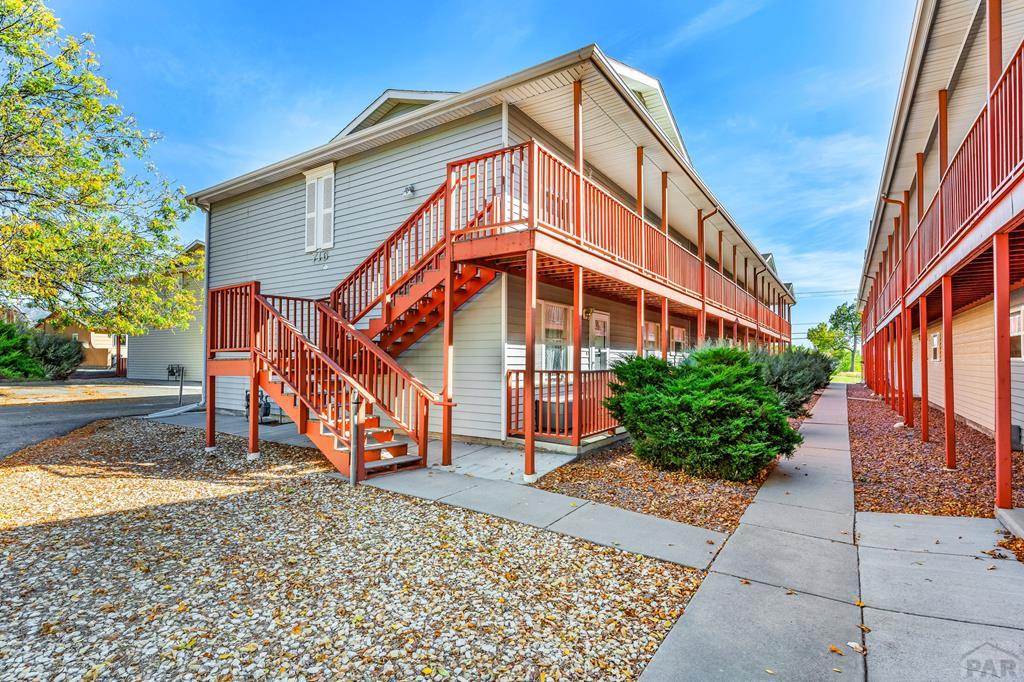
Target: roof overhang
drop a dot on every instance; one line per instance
(671, 156)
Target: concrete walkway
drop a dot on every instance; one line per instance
(803, 573)
(785, 586)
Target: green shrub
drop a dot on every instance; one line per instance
(58, 355)
(795, 374)
(16, 362)
(710, 416)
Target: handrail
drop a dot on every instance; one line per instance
(379, 353)
(378, 272)
(546, 193)
(305, 343)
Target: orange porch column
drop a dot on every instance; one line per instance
(949, 418)
(529, 393)
(1001, 306)
(922, 309)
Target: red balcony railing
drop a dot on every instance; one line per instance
(990, 156)
(553, 404)
(495, 193)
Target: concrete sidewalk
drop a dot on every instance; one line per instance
(598, 523)
(806, 572)
(785, 587)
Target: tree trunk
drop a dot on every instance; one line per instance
(853, 356)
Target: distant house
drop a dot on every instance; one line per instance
(12, 315)
(150, 355)
(99, 346)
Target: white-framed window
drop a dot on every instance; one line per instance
(320, 208)
(74, 336)
(652, 337)
(1017, 333)
(936, 356)
(600, 340)
(678, 338)
(555, 336)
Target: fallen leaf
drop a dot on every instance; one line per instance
(856, 647)
(858, 603)
(836, 650)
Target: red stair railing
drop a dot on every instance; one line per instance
(399, 395)
(390, 264)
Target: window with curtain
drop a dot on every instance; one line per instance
(556, 336)
(1016, 335)
(652, 337)
(600, 325)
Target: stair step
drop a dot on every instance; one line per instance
(387, 445)
(393, 461)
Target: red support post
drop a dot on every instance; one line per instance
(947, 371)
(943, 131)
(994, 40)
(529, 392)
(577, 354)
(254, 380)
(448, 331)
(664, 328)
(640, 323)
(922, 309)
(702, 316)
(211, 412)
(1001, 306)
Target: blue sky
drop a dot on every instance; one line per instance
(785, 105)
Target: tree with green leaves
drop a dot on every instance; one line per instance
(840, 335)
(825, 339)
(81, 235)
(845, 321)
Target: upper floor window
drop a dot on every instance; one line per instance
(320, 208)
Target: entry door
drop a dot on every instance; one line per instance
(600, 333)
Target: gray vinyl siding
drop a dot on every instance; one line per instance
(150, 353)
(973, 367)
(478, 382)
(260, 235)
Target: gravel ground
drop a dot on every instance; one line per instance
(126, 553)
(893, 471)
(619, 478)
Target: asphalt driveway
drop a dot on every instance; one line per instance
(34, 412)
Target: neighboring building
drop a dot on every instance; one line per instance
(151, 355)
(12, 315)
(944, 253)
(100, 348)
(550, 220)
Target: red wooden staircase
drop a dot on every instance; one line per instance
(330, 364)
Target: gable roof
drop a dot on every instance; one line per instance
(648, 90)
(390, 104)
(572, 65)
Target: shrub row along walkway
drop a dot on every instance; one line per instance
(804, 582)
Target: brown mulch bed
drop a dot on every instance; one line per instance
(617, 477)
(893, 471)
